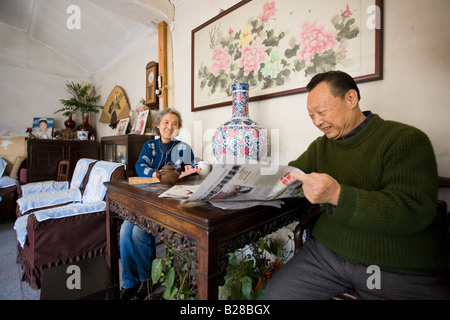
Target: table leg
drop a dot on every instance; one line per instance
(112, 249)
(208, 266)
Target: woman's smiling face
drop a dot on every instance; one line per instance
(168, 127)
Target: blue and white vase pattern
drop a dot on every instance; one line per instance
(240, 136)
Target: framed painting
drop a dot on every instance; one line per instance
(278, 46)
(42, 128)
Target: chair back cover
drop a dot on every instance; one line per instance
(100, 173)
(80, 172)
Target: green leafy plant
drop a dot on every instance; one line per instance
(173, 273)
(245, 280)
(83, 100)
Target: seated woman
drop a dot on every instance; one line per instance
(137, 247)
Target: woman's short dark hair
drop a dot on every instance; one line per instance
(162, 114)
(340, 83)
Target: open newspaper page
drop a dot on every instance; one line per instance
(238, 182)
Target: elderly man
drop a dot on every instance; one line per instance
(377, 179)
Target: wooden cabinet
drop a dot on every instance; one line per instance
(124, 149)
(44, 155)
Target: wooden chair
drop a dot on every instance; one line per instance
(443, 216)
(443, 213)
(63, 170)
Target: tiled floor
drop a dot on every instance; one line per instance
(11, 288)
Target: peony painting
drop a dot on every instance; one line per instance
(278, 46)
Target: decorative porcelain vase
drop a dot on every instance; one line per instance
(69, 123)
(240, 136)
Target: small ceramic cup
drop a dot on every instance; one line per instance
(205, 167)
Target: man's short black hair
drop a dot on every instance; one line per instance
(340, 83)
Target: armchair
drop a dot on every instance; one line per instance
(443, 213)
(8, 197)
(9, 184)
(45, 194)
(81, 170)
(68, 233)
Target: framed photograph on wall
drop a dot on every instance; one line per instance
(122, 126)
(42, 128)
(278, 46)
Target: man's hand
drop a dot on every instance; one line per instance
(319, 187)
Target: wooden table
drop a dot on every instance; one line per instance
(205, 232)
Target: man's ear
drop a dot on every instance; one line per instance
(351, 98)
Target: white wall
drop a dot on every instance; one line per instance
(33, 79)
(128, 72)
(413, 91)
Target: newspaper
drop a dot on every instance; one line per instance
(241, 182)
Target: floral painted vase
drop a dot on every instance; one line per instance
(240, 136)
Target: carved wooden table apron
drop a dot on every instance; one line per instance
(207, 233)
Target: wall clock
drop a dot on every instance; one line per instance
(151, 85)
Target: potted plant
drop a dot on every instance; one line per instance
(246, 280)
(82, 101)
(172, 273)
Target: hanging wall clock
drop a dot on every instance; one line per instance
(151, 85)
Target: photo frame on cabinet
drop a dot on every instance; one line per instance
(42, 128)
(141, 121)
(122, 126)
(278, 46)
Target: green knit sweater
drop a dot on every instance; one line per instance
(386, 211)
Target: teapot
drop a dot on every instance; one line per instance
(168, 175)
